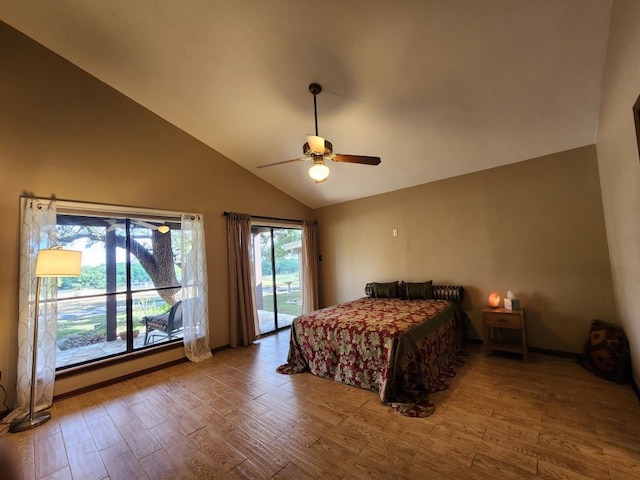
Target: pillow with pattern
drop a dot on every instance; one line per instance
(384, 290)
(417, 291)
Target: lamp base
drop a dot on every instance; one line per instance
(29, 422)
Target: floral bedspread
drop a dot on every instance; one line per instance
(401, 349)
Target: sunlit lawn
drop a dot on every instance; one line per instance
(95, 324)
(286, 303)
(79, 317)
(288, 293)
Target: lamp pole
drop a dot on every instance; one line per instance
(53, 262)
(33, 419)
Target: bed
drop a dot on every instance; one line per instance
(400, 342)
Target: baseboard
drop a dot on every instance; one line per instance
(543, 351)
(220, 349)
(555, 353)
(113, 381)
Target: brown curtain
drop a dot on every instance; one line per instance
(242, 313)
(310, 300)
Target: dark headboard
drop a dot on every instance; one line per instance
(454, 293)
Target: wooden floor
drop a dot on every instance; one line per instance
(234, 417)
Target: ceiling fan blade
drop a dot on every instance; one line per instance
(144, 224)
(284, 161)
(338, 157)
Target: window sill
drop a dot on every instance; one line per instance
(66, 372)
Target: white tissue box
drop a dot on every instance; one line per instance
(511, 304)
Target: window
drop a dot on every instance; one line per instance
(130, 272)
(277, 271)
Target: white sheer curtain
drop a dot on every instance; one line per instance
(37, 232)
(310, 300)
(195, 298)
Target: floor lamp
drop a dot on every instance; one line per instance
(53, 262)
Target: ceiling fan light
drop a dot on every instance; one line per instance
(316, 144)
(163, 228)
(319, 172)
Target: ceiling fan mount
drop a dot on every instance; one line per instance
(318, 149)
(315, 88)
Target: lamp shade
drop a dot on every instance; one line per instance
(55, 262)
(316, 144)
(319, 171)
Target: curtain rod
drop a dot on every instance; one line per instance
(259, 217)
(104, 207)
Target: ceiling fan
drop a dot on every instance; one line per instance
(318, 150)
(113, 224)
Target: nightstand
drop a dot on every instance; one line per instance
(494, 320)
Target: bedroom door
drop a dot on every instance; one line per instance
(277, 264)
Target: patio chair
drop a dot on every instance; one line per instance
(166, 324)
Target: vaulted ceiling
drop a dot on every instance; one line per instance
(436, 88)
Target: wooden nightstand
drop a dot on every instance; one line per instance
(496, 319)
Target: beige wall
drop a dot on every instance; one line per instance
(619, 166)
(64, 133)
(534, 227)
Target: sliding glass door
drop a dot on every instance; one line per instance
(277, 272)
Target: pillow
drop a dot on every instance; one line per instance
(417, 291)
(383, 290)
(453, 293)
(369, 289)
(606, 352)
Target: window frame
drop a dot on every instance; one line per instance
(72, 209)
